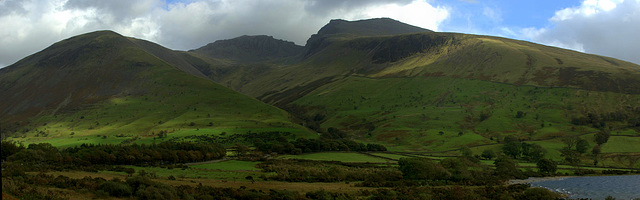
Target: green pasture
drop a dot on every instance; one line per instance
(337, 156)
(235, 175)
(429, 113)
(230, 165)
(621, 144)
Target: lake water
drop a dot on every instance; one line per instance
(596, 187)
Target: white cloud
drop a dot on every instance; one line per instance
(32, 25)
(417, 13)
(29, 26)
(588, 8)
(605, 27)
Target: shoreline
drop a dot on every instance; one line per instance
(537, 179)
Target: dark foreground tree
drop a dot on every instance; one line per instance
(421, 169)
(512, 147)
(506, 168)
(547, 166)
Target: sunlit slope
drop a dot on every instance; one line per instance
(444, 113)
(405, 89)
(104, 84)
(451, 55)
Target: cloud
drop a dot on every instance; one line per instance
(604, 27)
(493, 14)
(417, 13)
(31, 25)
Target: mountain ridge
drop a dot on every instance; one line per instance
(250, 49)
(432, 82)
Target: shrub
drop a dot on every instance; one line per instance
(539, 194)
(116, 189)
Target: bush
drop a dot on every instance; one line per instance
(547, 166)
(159, 192)
(539, 194)
(422, 168)
(116, 189)
(488, 154)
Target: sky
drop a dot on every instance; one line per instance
(604, 27)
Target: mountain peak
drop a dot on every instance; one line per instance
(248, 48)
(369, 27)
(366, 27)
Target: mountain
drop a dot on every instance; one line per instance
(123, 89)
(376, 80)
(338, 28)
(250, 49)
(381, 80)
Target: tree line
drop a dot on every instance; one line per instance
(45, 155)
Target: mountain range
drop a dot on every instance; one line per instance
(377, 80)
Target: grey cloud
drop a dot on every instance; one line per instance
(184, 25)
(10, 7)
(613, 33)
(217, 21)
(324, 7)
(119, 9)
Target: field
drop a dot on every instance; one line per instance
(342, 157)
(231, 165)
(303, 187)
(406, 115)
(622, 144)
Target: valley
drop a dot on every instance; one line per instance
(369, 109)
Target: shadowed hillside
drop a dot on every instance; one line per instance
(102, 83)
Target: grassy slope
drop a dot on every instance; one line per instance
(410, 113)
(446, 84)
(166, 99)
(337, 156)
(446, 54)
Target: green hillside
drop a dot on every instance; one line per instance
(443, 113)
(417, 90)
(377, 81)
(103, 88)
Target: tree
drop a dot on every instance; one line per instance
(570, 141)
(116, 189)
(375, 147)
(595, 151)
(241, 150)
(511, 147)
(506, 168)
(458, 168)
(9, 148)
(547, 166)
(539, 193)
(488, 154)
(465, 151)
(582, 145)
(422, 168)
(602, 137)
(335, 133)
(519, 114)
(532, 152)
(250, 178)
(571, 156)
